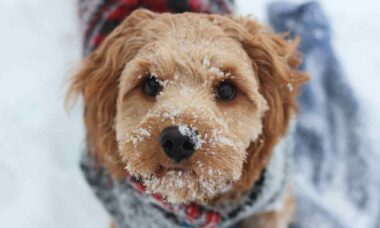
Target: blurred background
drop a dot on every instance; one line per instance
(40, 143)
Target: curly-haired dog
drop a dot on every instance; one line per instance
(192, 105)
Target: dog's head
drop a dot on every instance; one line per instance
(191, 104)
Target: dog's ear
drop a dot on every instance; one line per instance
(97, 81)
(275, 61)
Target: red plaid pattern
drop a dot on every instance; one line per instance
(99, 17)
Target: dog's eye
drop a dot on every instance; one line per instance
(151, 86)
(226, 91)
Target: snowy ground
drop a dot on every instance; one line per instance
(41, 185)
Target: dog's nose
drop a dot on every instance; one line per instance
(176, 144)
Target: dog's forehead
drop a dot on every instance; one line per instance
(192, 49)
(188, 49)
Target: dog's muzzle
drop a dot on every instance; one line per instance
(177, 144)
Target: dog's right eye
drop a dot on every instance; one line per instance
(151, 86)
(226, 91)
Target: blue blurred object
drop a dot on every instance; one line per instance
(335, 181)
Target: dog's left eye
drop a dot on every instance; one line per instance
(226, 91)
(151, 86)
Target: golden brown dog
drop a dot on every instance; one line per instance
(192, 104)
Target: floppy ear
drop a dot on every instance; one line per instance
(275, 61)
(97, 81)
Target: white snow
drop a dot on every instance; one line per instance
(143, 132)
(194, 137)
(185, 91)
(139, 135)
(40, 144)
(206, 62)
(41, 185)
(290, 87)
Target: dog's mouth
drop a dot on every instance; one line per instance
(200, 178)
(162, 171)
(184, 184)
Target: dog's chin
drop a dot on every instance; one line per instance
(179, 186)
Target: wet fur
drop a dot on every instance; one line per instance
(194, 51)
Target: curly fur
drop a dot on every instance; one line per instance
(190, 54)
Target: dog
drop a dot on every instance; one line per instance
(190, 108)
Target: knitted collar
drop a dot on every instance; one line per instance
(130, 206)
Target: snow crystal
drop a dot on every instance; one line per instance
(138, 136)
(176, 76)
(218, 138)
(143, 132)
(162, 83)
(175, 111)
(226, 141)
(206, 62)
(194, 137)
(214, 70)
(185, 91)
(135, 140)
(290, 87)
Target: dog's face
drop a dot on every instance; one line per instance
(187, 110)
(185, 100)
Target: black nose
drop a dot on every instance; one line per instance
(178, 146)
